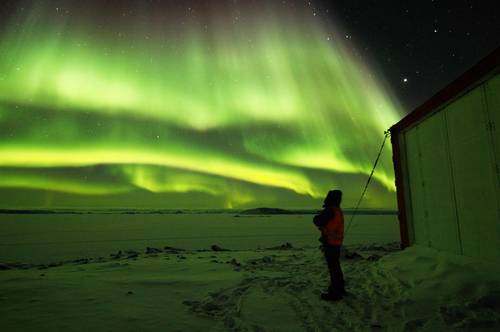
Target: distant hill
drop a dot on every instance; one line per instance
(273, 211)
(249, 212)
(266, 210)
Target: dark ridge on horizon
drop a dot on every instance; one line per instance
(266, 210)
(253, 211)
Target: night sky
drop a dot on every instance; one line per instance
(218, 104)
(428, 43)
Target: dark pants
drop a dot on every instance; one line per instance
(332, 256)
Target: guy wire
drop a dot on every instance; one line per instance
(387, 133)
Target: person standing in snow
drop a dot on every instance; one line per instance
(330, 221)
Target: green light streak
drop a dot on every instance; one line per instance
(30, 180)
(57, 157)
(288, 101)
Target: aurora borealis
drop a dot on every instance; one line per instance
(229, 106)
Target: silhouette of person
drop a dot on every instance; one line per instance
(330, 221)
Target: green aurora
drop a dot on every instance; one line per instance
(113, 111)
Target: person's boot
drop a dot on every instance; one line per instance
(342, 292)
(331, 296)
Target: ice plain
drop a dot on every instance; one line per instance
(218, 272)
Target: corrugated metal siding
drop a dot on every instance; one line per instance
(437, 177)
(492, 91)
(471, 155)
(417, 189)
(493, 106)
(454, 188)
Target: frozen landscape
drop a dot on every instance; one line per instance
(133, 134)
(218, 272)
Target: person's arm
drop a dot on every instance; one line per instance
(321, 219)
(338, 226)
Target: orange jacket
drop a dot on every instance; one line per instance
(333, 231)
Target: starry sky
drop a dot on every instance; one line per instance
(429, 43)
(217, 104)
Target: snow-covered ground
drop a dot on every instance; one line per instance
(252, 290)
(52, 238)
(276, 288)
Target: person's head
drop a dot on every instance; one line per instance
(333, 198)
